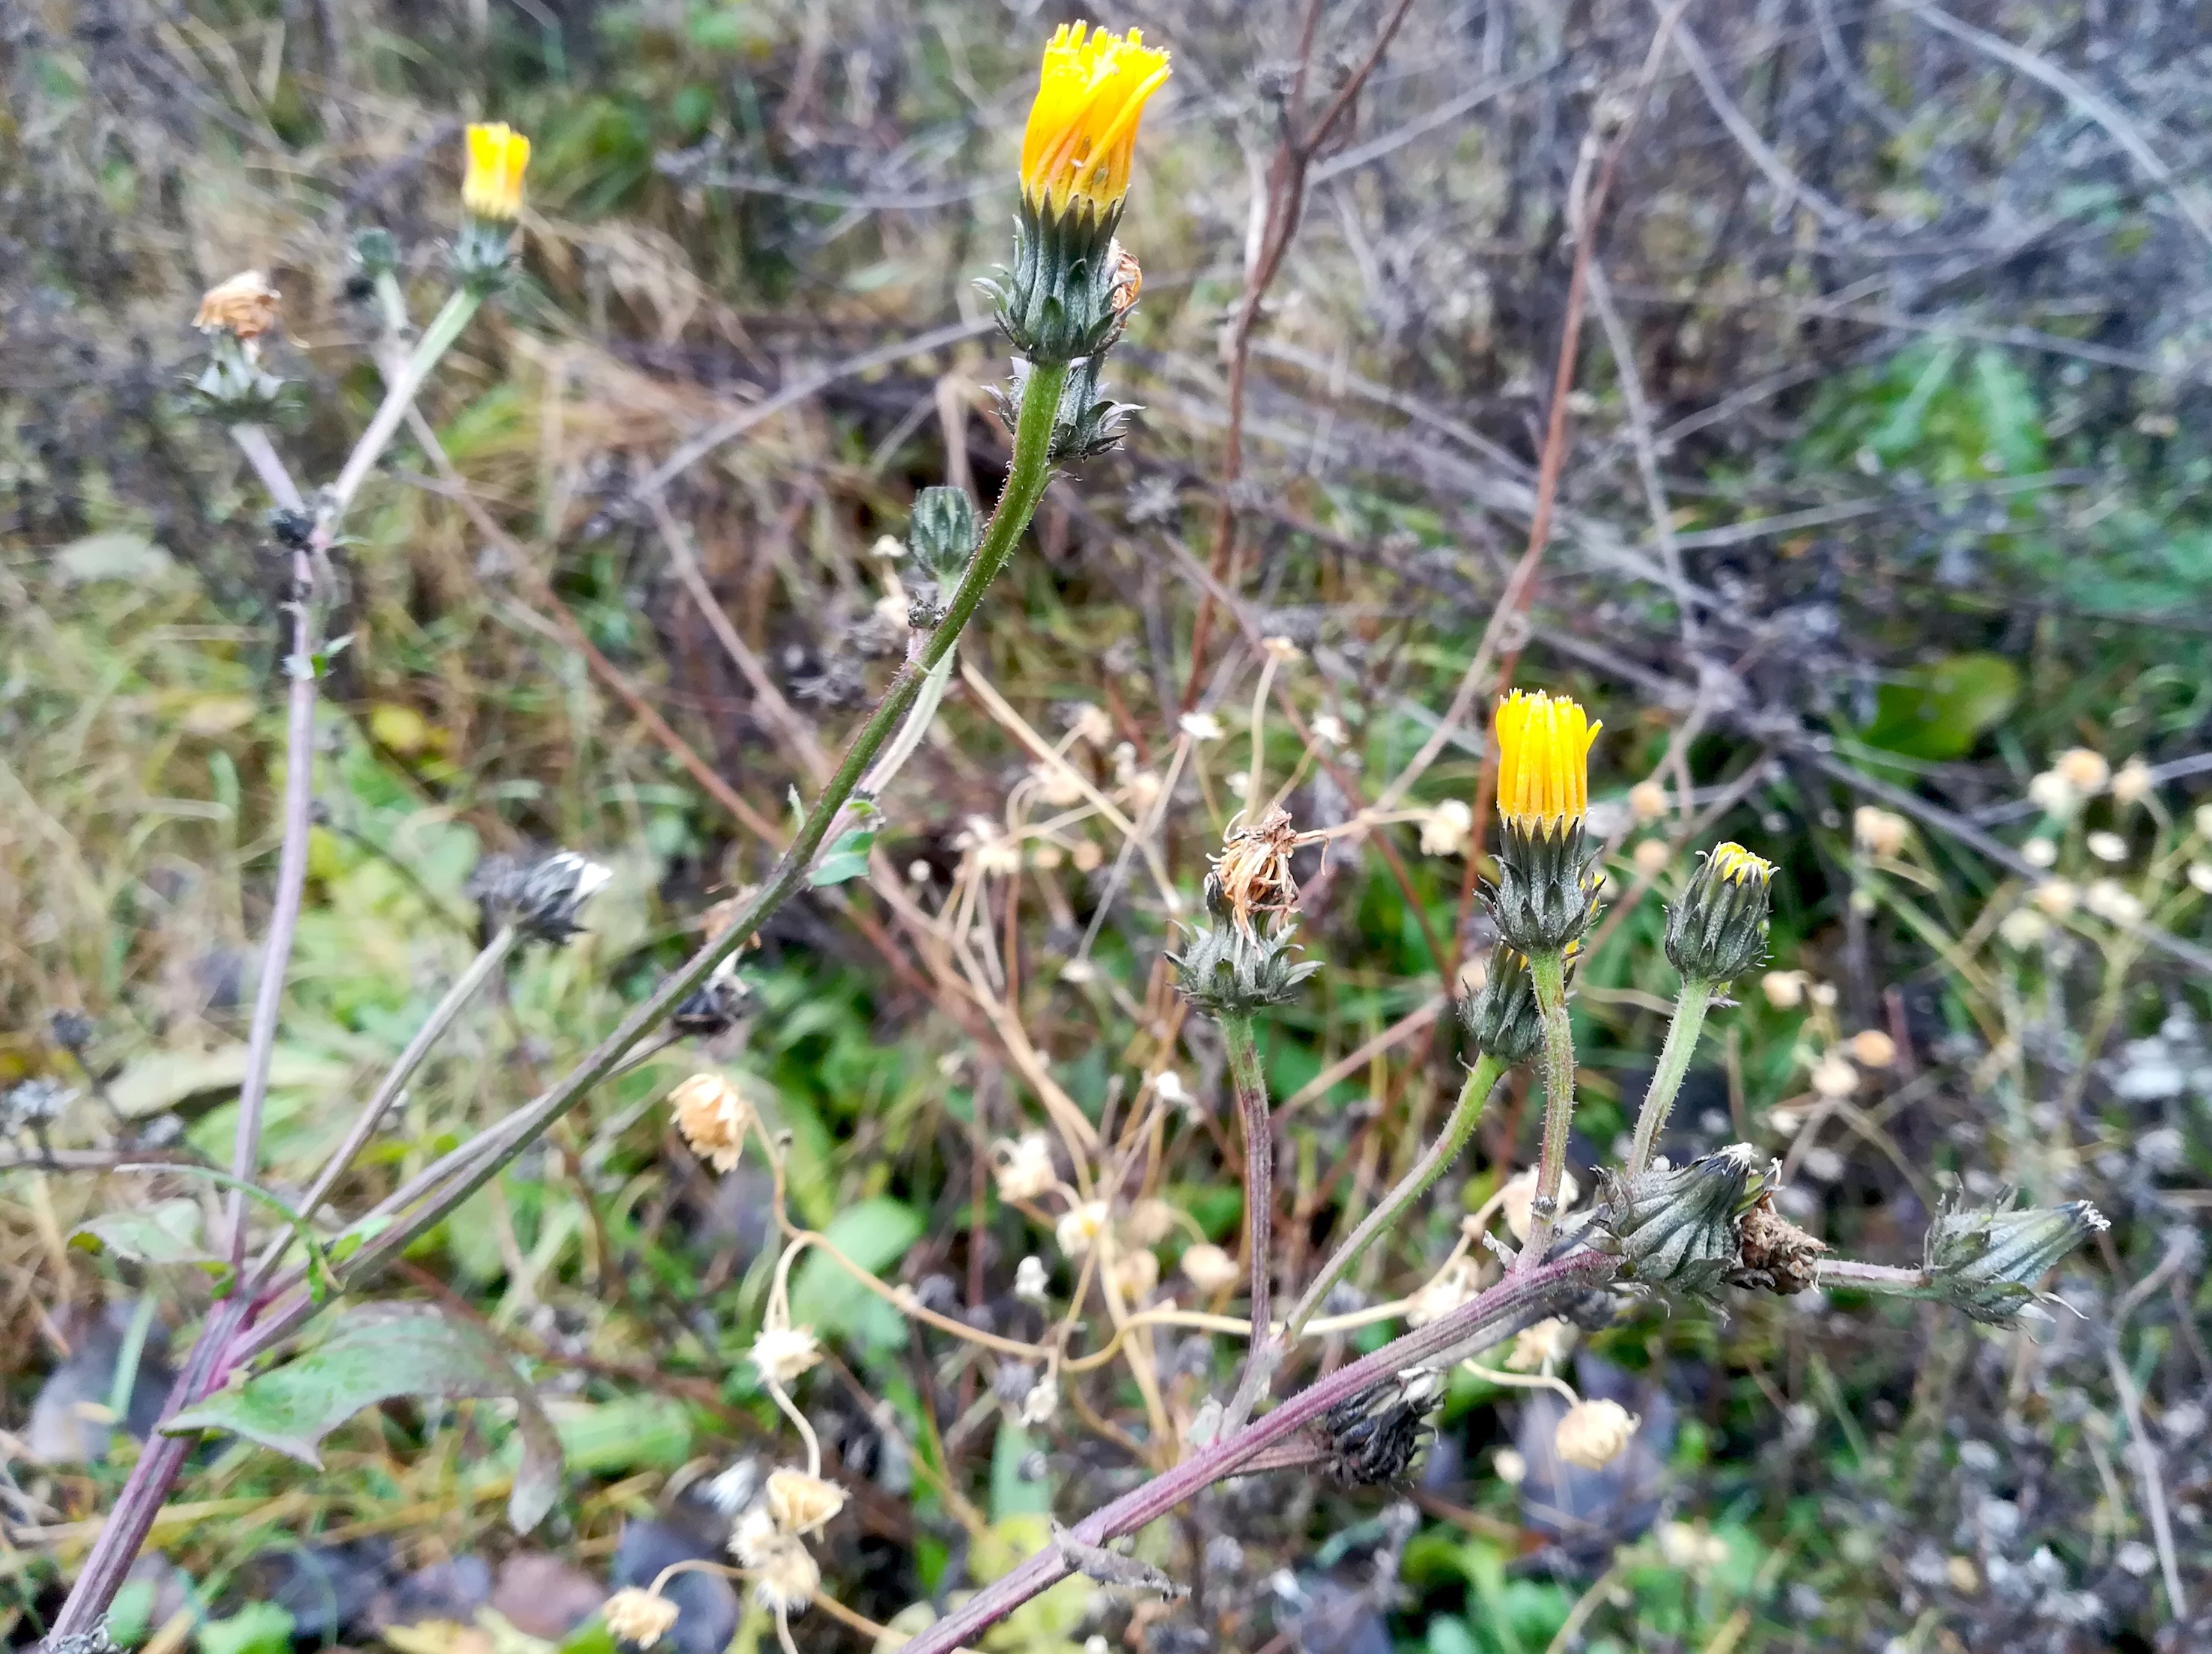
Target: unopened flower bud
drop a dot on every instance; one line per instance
(942, 532)
(640, 1618)
(1678, 1226)
(1988, 1262)
(1593, 1434)
(539, 899)
(1717, 931)
(1501, 1016)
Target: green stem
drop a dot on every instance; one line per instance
(442, 1186)
(1251, 1085)
(1548, 972)
(1481, 1080)
(1853, 1276)
(1675, 1057)
(399, 395)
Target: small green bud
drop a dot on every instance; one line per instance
(1680, 1227)
(1987, 1261)
(942, 532)
(1717, 931)
(1545, 892)
(375, 254)
(1501, 1016)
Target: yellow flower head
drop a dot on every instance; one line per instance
(1082, 126)
(1737, 865)
(1543, 760)
(498, 154)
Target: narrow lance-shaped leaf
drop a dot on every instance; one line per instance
(379, 1351)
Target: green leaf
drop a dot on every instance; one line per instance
(875, 1235)
(257, 1628)
(1939, 713)
(376, 1353)
(633, 1432)
(168, 1232)
(846, 859)
(131, 1616)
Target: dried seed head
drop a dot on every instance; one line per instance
(713, 1118)
(1022, 1166)
(1209, 1268)
(1833, 1077)
(1647, 800)
(1252, 874)
(245, 307)
(1374, 1437)
(714, 1007)
(1447, 828)
(2084, 770)
(540, 898)
(1989, 1261)
(1134, 1274)
(782, 1353)
(1784, 989)
(640, 1618)
(1592, 1434)
(1772, 1254)
(801, 1504)
(785, 1575)
(1541, 1347)
(1872, 1048)
(1878, 831)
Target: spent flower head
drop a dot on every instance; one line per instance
(783, 1352)
(245, 307)
(541, 898)
(714, 1118)
(802, 1503)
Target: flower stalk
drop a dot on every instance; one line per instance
(1681, 1044)
(1547, 970)
(1467, 1113)
(1251, 1085)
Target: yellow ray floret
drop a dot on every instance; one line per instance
(1543, 760)
(498, 154)
(1082, 126)
(1738, 866)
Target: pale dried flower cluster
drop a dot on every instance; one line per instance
(1021, 1167)
(782, 1353)
(245, 307)
(1879, 832)
(1593, 1434)
(640, 1618)
(713, 1118)
(1209, 1268)
(1447, 828)
(1517, 1199)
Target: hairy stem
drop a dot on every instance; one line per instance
(441, 1187)
(1547, 971)
(1674, 1062)
(1251, 1088)
(1481, 1080)
(1522, 1297)
(466, 988)
(1855, 1277)
(291, 882)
